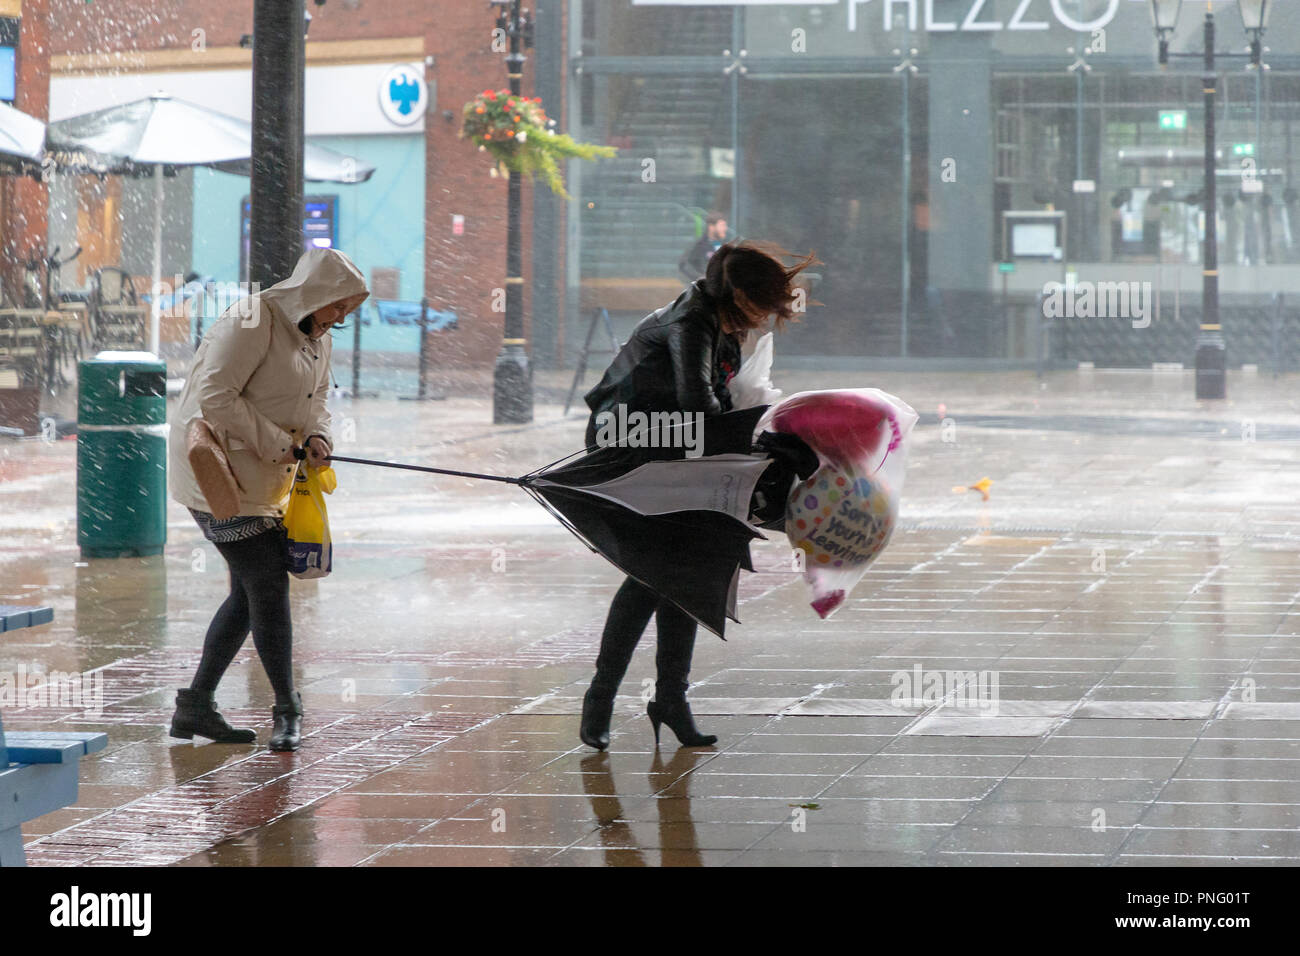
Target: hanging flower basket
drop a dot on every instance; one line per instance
(516, 131)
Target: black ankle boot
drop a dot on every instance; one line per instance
(597, 711)
(196, 713)
(287, 733)
(676, 713)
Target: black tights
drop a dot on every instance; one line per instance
(629, 613)
(259, 598)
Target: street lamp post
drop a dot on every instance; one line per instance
(512, 381)
(275, 240)
(1211, 350)
(907, 69)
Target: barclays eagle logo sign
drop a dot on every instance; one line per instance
(403, 95)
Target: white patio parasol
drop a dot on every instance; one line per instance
(22, 137)
(160, 132)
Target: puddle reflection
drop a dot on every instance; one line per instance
(670, 782)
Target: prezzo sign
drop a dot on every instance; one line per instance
(1028, 14)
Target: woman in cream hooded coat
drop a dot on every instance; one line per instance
(260, 378)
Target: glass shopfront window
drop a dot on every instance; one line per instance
(894, 138)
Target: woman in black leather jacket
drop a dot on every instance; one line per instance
(679, 359)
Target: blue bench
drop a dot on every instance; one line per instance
(38, 769)
(14, 616)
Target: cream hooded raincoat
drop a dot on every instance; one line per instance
(261, 383)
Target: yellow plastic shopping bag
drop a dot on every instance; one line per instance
(308, 522)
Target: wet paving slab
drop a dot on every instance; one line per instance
(1116, 623)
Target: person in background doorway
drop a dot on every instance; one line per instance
(696, 260)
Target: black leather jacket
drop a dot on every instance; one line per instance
(677, 359)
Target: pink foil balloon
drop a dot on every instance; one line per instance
(843, 427)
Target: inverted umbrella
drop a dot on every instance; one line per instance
(676, 523)
(161, 132)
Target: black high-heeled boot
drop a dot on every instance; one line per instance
(196, 713)
(287, 734)
(677, 715)
(597, 712)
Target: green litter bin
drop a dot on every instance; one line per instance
(122, 455)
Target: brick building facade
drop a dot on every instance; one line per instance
(461, 271)
(24, 201)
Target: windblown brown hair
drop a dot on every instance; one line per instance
(758, 272)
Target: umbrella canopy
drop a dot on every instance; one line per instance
(160, 130)
(22, 139)
(677, 524)
(691, 556)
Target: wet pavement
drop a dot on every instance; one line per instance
(1125, 601)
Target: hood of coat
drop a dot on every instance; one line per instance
(322, 276)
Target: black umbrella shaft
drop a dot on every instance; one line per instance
(432, 471)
